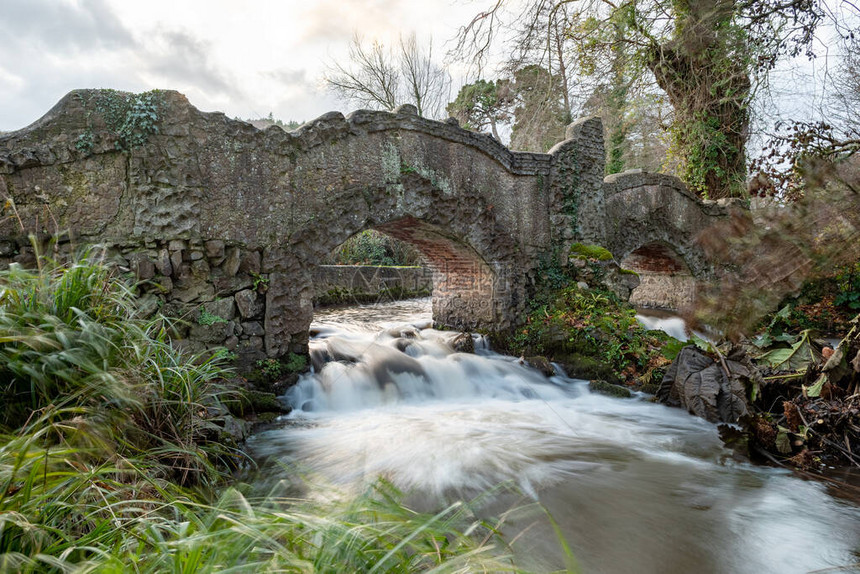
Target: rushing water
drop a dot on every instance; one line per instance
(635, 487)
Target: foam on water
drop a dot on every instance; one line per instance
(635, 486)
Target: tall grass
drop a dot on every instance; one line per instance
(109, 461)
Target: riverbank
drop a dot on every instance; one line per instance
(392, 397)
(115, 455)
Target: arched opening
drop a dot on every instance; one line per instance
(460, 280)
(666, 281)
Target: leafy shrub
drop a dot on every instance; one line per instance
(848, 286)
(594, 333)
(370, 247)
(271, 369)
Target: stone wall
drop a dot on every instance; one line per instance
(669, 291)
(346, 284)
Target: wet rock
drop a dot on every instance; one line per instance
(463, 343)
(542, 364)
(234, 429)
(588, 368)
(253, 401)
(605, 388)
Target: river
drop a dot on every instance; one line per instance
(635, 487)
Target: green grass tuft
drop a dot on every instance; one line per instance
(109, 460)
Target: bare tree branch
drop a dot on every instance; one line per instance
(384, 79)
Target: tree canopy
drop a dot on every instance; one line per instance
(708, 56)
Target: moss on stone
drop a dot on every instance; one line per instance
(585, 251)
(593, 335)
(623, 271)
(605, 388)
(251, 401)
(580, 366)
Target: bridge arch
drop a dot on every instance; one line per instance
(476, 264)
(652, 227)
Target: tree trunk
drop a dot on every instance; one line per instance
(704, 73)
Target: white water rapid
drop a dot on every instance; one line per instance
(635, 487)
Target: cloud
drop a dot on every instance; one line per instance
(288, 76)
(63, 26)
(337, 20)
(181, 60)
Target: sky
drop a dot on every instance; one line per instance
(246, 58)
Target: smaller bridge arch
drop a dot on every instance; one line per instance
(653, 222)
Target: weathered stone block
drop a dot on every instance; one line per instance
(165, 284)
(214, 248)
(223, 308)
(200, 269)
(230, 266)
(176, 262)
(188, 291)
(163, 264)
(253, 328)
(225, 286)
(142, 267)
(249, 303)
(214, 334)
(250, 263)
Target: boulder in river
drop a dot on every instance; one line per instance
(706, 387)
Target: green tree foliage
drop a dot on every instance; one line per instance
(706, 55)
(483, 104)
(532, 97)
(539, 117)
(371, 247)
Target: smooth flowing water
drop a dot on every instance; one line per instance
(634, 486)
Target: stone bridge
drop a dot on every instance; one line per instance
(220, 219)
